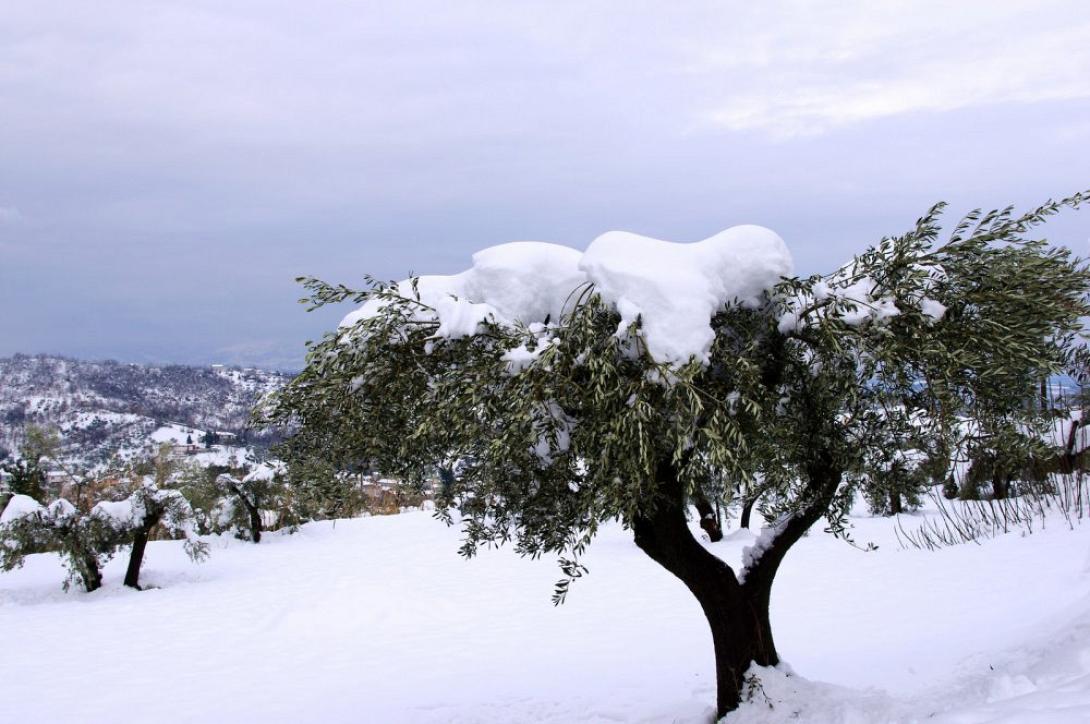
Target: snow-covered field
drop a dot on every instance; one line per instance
(379, 620)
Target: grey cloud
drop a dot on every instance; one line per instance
(174, 166)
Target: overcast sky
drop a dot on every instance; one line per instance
(167, 169)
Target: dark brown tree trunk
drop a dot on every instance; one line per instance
(747, 511)
(139, 544)
(709, 521)
(736, 611)
(736, 614)
(89, 572)
(255, 522)
(895, 507)
(136, 558)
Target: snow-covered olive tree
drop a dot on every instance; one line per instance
(85, 543)
(243, 500)
(628, 380)
(132, 520)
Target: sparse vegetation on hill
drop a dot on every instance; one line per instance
(101, 409)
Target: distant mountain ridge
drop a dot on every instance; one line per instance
(105, 408)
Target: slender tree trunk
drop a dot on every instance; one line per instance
(139, 544)
(255, 520)
(255, 524)
(895, 507)
(736, 614)
(737, 611)
(1068, 462)
(709, 521)
(747, 510)
(136, 558)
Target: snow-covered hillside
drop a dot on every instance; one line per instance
(103, 408)
(379, 620)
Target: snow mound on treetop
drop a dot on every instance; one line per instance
(123, 513)
(525, 280)
(20, 506)
(674, 289)
(522, 281)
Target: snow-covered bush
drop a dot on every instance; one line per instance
(627, 380)
(84, 542)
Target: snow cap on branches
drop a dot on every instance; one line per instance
(673, 290)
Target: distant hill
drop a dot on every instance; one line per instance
(102, 409)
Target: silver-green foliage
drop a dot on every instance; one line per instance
(84, 542)
(794, 394)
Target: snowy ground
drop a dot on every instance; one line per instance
(379, 620)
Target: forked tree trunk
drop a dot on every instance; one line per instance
(737, 614)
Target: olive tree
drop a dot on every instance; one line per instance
(85, 543)
(133, 520)
(244, 499)
(642, 376)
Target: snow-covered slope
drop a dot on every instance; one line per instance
(379, 620)
(103, 408)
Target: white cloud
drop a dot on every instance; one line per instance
(906, 66)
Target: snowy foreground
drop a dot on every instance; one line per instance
(379, 620)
